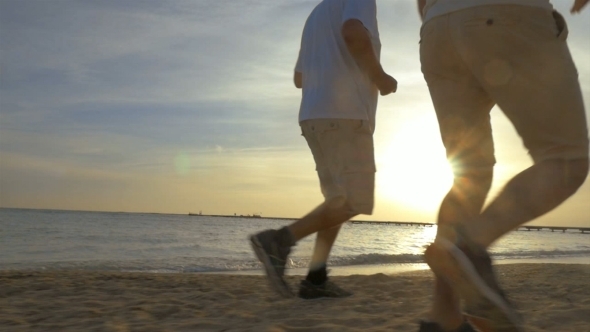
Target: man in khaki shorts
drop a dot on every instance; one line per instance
(339, 71)
(476, 54)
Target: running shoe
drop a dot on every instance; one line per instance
(273, 255)
(468, 268)
(309, 291)
(434, 327)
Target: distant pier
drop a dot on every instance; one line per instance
(406, 223)
(396, 223)
(554, 228)
(521, 228)
(238, 216)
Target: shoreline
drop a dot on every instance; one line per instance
(550, 297)
(390, 269)
(334, 270)
(525, 227)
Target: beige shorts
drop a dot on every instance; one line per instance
(512, 56)
(344, 158)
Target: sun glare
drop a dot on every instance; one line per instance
(412, 167)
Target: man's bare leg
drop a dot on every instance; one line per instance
(335, 211)
(323, 245)
(465, 200)
(532, 193)
(272, 247)
(318, 272)
(331, 213)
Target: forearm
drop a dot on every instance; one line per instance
(421, 4)
(358, 42)
(578, 5)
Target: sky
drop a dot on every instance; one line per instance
(178, 106)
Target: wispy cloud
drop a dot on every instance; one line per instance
(164, 103)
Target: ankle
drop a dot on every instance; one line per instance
(318, 276)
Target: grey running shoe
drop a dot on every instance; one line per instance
(434, 327)
(273, 256)
(468, 268)
(309, 291)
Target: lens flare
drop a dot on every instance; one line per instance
(182, 163)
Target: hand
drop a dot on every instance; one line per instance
(386, 84)
(578, 5)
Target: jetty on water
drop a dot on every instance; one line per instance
(554, 228)
(404, 223)
(521, 228)
(396, 223)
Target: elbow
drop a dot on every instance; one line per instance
(298, 80)
(421, 5)
(355, 35)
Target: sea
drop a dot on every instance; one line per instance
(170, 243)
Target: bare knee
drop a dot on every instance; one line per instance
(569, 174)
(575, 172)
(335, 203)
(339, 208)
(473, 179)
(466, 198)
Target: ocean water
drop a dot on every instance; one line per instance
(48, 239)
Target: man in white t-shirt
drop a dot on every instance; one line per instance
(339, 70)
(476, 54)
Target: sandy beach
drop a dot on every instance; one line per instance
(551, 297)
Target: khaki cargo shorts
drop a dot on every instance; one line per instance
(344, 158)
(512, 56)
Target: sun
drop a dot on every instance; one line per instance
(412, 169)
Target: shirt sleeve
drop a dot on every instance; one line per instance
(364, 11)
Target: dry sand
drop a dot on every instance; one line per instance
(551, 297)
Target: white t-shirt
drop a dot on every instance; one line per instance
(435, 8)
(333, 84)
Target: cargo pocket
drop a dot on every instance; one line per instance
(360, 152)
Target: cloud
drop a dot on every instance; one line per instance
(116, 97)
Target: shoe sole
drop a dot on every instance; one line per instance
(276, 282)
(480, 324)
(449, 262)
(323, 296)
